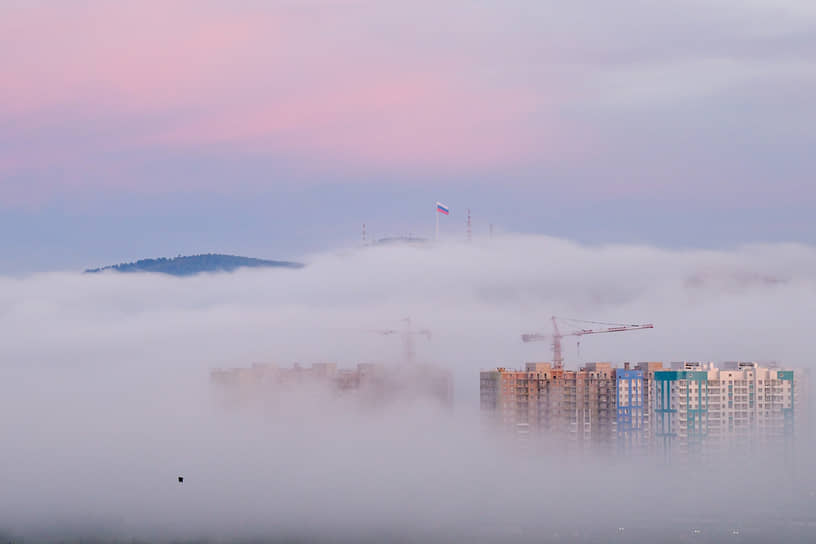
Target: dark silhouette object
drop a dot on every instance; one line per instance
(181, 479)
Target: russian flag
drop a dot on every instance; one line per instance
(441, 208)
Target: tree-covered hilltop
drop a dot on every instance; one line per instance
(195, 264)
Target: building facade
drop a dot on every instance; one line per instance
(701, 410)
(594, 409)
(686, 409)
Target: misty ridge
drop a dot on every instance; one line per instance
(106, 396)
(193, 264)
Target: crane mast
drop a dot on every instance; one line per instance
(558, 358)
(408, 334)
(557, 335)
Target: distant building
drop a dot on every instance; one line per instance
(401, 240)
(373, 382)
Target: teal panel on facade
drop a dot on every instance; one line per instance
(666, 375)
(674, 375)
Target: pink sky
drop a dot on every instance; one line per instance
(299, 82)
(618, 98)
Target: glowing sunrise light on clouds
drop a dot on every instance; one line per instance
(531, 105)
(183, 76)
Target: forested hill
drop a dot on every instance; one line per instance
(195, 264)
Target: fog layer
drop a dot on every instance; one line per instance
(105, 397)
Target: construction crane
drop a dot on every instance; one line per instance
(557, 335)
(408, 335)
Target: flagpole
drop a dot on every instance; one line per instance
(436, 213)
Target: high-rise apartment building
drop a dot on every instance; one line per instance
(701, 409)
(593, 408)
(686, 409)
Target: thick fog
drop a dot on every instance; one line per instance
(106, 397)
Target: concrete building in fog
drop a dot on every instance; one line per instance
(577, 409)
(373, 382)
(687, 408)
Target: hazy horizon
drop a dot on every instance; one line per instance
(622, 162)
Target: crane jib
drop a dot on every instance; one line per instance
(557, 336)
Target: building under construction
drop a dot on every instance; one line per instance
(645, 408)
(371, 382)
(574, 409)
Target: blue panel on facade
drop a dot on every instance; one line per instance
(629, 403)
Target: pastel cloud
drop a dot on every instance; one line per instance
(411, 119)
(424, 87)
(276, 81)
(142, 56)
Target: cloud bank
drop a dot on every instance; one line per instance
(105, 395)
